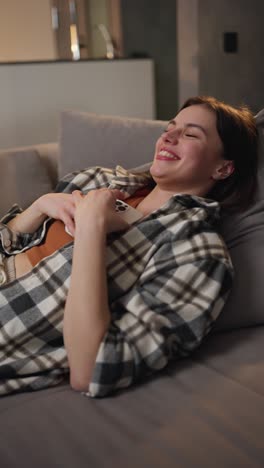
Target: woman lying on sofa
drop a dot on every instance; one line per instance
(110, 302)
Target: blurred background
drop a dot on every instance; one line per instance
(198, 46)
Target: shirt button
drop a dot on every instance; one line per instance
(7, 243)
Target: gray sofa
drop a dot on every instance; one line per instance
(202, 411)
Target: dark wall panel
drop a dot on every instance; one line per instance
(235, 75)
(149, 29)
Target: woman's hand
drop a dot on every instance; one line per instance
(58, 206)
(54, 205)
(96, 210)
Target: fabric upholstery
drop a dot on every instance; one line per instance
(260, 123)
(95, 140)
(23, 178)
(244, 235)
(202, 412)
(48, 153)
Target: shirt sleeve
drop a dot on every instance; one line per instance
(161, 319)
(12, 242)
(89, 178)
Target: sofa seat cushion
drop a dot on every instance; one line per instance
(197, 412)
(237, 355)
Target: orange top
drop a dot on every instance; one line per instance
(56, 236)
(138, 196)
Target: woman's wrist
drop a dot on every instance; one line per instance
(37, 207)
(28, 221)
(35, 215)
(91, 228)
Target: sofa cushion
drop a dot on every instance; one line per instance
(260, 123)
(90, 140)
(244, 236)
(23, 178)
(200, 412)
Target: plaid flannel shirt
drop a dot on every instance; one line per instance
(168, 277)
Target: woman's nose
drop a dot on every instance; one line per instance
(171, 136)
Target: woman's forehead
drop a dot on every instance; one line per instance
(197, 113)
(197, 116)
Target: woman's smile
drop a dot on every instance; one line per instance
(165, 154)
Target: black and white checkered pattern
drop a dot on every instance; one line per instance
(168, 278)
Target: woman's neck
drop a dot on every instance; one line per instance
(154, 200)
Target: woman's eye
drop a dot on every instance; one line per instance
(191, 135)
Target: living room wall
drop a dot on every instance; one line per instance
(234, 77)
(149, 29)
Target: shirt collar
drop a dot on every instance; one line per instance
(129, 182)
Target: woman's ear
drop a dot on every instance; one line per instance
(224, 170)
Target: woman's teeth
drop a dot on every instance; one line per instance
(166, 154)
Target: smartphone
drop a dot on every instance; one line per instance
(128, 213)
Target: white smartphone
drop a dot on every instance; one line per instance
(128, 213)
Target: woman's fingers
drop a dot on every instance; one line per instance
(77, 196)
(68, 217)
(77, 193)
(98, 204)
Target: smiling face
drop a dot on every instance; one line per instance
(189, 154)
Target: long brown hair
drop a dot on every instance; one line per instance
(238, 132)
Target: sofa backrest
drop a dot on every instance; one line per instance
(85, 140)
(244, 236)
(97, 140)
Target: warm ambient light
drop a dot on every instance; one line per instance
(74, 42)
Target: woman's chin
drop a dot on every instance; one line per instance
(156, 170)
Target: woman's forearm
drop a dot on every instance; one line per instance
(51, 205)
(28, 221)
(87, 314)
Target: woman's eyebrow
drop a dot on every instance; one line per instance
(189, 124)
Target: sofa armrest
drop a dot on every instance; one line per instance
(26, 173)
(48, 153)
